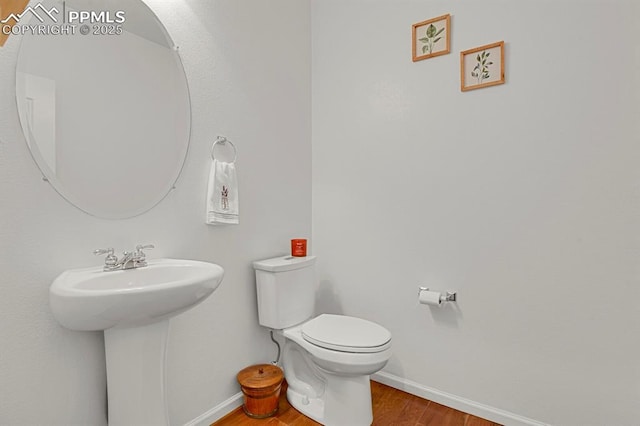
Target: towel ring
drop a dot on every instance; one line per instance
(222, 141)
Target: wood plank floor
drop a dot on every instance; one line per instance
(391, 407)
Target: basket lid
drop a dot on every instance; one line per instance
(260, 376)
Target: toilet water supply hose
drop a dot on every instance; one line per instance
(277, 361)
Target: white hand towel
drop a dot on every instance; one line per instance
(222, 194)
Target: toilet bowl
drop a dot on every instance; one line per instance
(330, 384)
(327, 360)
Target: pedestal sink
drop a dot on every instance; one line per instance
(133, 308)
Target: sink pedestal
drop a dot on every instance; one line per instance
(136, 377)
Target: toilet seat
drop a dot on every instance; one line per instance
(346, 334)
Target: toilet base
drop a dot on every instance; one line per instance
(346, 402)
(310, 407)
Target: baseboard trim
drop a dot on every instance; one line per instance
(477, 409)
(217, 412)
(465, 405)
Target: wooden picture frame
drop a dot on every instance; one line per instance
(431, 38)
(482, 66)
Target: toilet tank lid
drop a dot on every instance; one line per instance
(284, 263)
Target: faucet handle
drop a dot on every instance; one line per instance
(139, 256)
(110, 260)
(141, 247)
(103, 251)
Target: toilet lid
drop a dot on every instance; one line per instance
(346, 334)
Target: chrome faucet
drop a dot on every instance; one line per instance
(126, 262)
(129, 260)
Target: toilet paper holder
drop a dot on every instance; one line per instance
(449, 296)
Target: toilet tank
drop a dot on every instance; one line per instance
(286, 290)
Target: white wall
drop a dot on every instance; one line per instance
(248, 66)
(524, 197)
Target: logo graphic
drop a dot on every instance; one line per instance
(33, 11)
(88, 22)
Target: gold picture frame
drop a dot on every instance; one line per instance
(431, 38)
(482, 66)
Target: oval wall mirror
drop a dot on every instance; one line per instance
(104, 107)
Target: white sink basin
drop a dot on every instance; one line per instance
(91, 299)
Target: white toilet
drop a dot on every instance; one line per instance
(327, 360)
